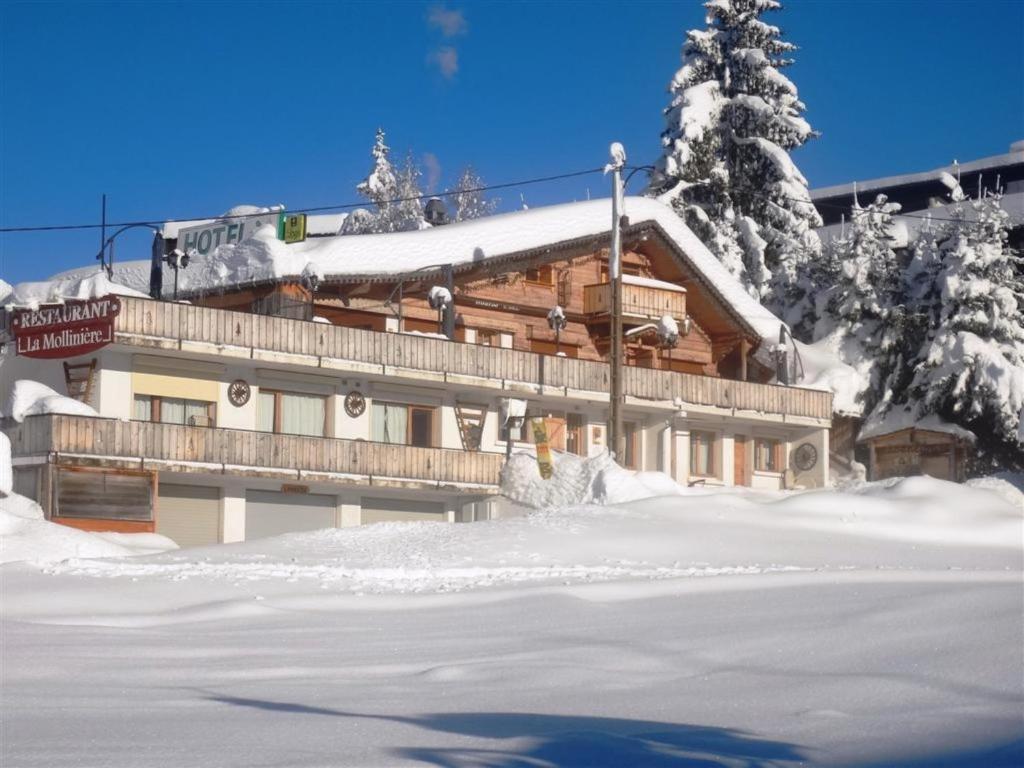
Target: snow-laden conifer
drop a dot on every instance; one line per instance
(860, 296)
(468, 199)
(393, 192)
(963, 338)
(731, 123)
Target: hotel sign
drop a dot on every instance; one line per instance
(65, 330)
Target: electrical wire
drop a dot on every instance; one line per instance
(312, 209)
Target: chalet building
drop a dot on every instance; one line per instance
(316, 384)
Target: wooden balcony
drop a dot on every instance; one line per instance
(147, 324)
(147, 445)
(640, 303)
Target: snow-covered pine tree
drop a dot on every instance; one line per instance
(393, 192)
(468, 201)
(861, 295)
(407, 213)
(379, 187)
(731, 123)
(966, 285)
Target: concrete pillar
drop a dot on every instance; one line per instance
(681, 473)
(232, 515)
(665, 451)
(728, 459)
(350, 511)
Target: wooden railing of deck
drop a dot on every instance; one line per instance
(177, 323)
(637, 300)
(258, 451)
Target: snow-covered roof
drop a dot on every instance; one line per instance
(263, 257)
(1014, 156)
(80, 284)
(898, 418)
(650, 282)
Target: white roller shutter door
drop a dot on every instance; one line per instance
(189, 515)
(380, 510)
(271, 513)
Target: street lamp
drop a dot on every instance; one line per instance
(557, 323)
(616, 437)
(177, 260)
(107, 262)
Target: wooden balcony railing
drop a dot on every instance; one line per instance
(234, 450)
(144, 322)
(638, 301)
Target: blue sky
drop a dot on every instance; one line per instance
(182, 109)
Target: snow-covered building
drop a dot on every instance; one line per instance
(927, 192)
(364, 378)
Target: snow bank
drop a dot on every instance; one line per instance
(823, 369)
(78, 285)
(6, 471)
(576, 480)
(25, 535)
(29, 398)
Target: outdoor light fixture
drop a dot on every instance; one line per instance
(557, 322)
(178, 260)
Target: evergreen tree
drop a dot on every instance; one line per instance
(962, 353)
(731, 123)
(467, 198)
(381, 185)
(394, 194)
(407, 213)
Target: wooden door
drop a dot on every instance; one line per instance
(740, 460)
(556, 432)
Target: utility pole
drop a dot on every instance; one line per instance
(616, 436)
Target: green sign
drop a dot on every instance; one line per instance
(294, 228)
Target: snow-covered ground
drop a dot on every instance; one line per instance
(878, 626)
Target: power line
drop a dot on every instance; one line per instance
(313, 209)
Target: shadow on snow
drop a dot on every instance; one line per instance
(567, 741)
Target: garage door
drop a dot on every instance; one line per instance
(189, 515)
(270, 513)
(386, 510)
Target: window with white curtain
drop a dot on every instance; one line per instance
(402, 424)
(291, 413)
(766, 454)
(702, 454)
(173, 410)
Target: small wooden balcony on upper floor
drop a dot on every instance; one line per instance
(643, 300)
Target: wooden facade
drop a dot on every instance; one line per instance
(181, 327)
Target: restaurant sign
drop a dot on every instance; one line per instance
(65, 330)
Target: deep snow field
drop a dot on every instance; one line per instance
(878, 626)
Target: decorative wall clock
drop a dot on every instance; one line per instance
(355, 403)
(805, 456)
(239, 392)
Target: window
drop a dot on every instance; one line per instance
(543, 275)
(767, 455)
(702, 454)
(574, 433)
(402, 424)
(291, 413)
(174, 410)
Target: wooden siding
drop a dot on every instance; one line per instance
(232, 450)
